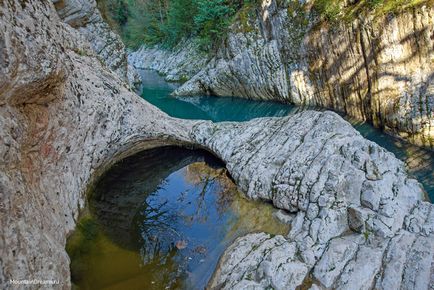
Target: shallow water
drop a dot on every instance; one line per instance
(160, 220)
(420, 162)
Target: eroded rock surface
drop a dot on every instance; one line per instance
(65, 117)
(84, 16)
(360, 220)
(178, 65)
(378, 69)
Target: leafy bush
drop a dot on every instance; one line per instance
(211, 21)
(179, 21)
(166, 22)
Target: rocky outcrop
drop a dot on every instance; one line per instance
(84, 16)
(65, 118)
(177, 65)
(360, 220)
(375, 68)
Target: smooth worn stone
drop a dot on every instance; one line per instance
(84, 16)
(375, 68)
(65, 118)
(284, 216)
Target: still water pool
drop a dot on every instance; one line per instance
(162, 218)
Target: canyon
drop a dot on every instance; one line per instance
(373, 68)
(359, 221)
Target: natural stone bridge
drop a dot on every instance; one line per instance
(360, 221)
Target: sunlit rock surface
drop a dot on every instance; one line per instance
(65, 118)
(84, 16)
(360, 220)
(376, 68)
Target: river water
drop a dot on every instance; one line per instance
(420, 162)
(162, 218)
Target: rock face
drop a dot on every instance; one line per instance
(84, 16)
(65, 118)
(378, 69)
(360, 220)
(178, 65)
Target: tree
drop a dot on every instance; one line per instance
(212, 20)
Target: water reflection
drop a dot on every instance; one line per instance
(160, 220)
(419, 161)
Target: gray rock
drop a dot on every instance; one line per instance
(339, 252)
(65, 118)
(84, 16)
(303, 165)
(284, 53)
(178, 65)
(284, 217)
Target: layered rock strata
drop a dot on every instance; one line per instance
(177, 65)
(360, 221)
(84, 16)
(65, 118)
(375, 68)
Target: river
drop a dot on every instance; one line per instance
(162, 218)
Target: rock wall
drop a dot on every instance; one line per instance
(376, 68)
(359, 223)
(65, 118)
(84, 16)
(178, 65)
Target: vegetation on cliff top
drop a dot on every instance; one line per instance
(337, 10)
(166, 22)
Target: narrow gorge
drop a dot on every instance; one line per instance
(299, 198)
(373, 68)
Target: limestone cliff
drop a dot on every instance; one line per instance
(375, 68)
(65, 118)
(84, 16)
(177, 65)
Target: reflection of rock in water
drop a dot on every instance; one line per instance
(118, 200)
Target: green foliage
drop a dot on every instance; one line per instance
(211, 20)
(334, 10)
(166, 22)
(329, 9)
(246, 13)
(179, 21)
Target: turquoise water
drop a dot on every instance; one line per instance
(161, 219)
(420, 162)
